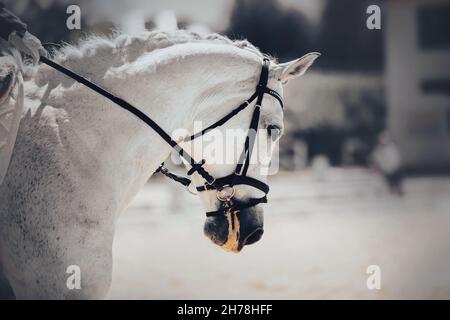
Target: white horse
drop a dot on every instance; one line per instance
(79, 159)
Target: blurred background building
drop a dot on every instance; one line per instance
(418, 81)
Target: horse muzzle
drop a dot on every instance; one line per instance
(235, 228)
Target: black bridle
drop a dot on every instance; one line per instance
(224, 185)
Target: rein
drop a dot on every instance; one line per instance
(224, 185)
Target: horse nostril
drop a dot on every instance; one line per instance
(253, 237)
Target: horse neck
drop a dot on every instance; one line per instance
(174, 90)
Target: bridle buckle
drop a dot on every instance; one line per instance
(225, 194)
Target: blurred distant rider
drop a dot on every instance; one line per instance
(386, 158)
(14, 37)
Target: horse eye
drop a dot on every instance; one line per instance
(274, 132)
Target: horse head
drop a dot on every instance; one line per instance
(239, 154)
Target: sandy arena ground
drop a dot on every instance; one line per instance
(320, 236)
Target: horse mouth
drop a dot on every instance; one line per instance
(235, 229)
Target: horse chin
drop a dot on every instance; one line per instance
(235, 229)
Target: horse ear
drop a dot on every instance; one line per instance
(295, 68)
